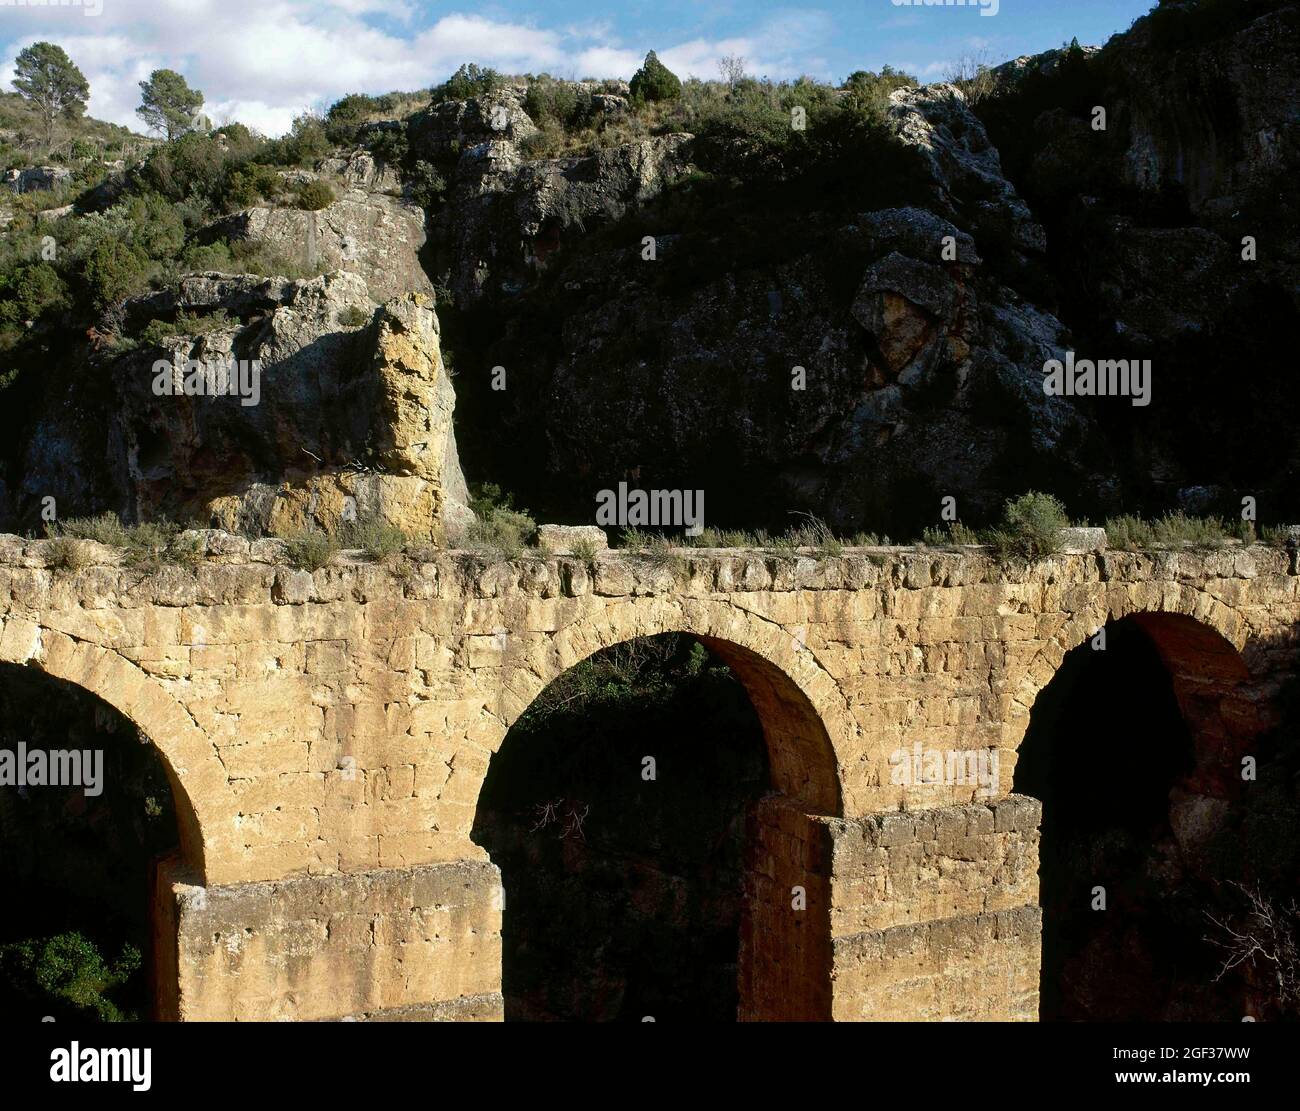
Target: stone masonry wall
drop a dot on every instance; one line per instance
(339, 723)
(936, 912)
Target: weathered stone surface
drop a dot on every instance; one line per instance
(329, 733)
(936, 121)
(352, 420)
(368, 231)
(561, 539)
(377, 944)
(36, 177)
(1082, 539)
(508, 215)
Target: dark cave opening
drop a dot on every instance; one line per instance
(76, 867)
(624, 892)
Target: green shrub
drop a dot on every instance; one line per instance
(198, 258)
(816, 534)
(115, 271)
(389, 143)
(146, 546)
(344, 119)
(38, 289)
(103, 529)
(248, 185)
(185, 324)
(315, 195)
(633, 539)
(503, 532)
(1173, 529)
(654, 81)
(953, 534)
(311, 550)
(65, 553)
(428, 186)
(67, 969)
(1129, 533)
(869, 92)
(709, 537)
(153, 544)
(198, 165)
(1243, 530)
(468, 81)
(305, 145)
(584, 549)
(498, 526)
(559, 102)
(379, 540)
(155, 225)
(1180, 529)
(1030, 526)
(1275, 536)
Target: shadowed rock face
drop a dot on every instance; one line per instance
(922, 368)
(1174, 235)
(1217, 117)
(507, 216)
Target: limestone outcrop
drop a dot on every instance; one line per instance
(34, 178)
(370, 230)
(349, 413)
(970, 187)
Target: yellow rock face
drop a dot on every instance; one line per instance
(327, 734)
(416, 484)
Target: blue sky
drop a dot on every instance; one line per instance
(264, 61)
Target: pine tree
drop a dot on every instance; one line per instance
(168, 104)
(47, 78)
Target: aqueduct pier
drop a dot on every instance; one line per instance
(326, 735)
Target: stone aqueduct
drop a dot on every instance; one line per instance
(326, 735)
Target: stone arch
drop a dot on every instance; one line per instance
(798, 703)
(784, 969)
(1223, 636)
(1175, 788)
(198, 782)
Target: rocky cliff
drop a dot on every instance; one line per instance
(857, 329)
(1173, 234)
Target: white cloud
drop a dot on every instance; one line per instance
(264, 61)
(935, 69)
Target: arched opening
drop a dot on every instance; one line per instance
(86, 810)
(643, 813)
(1134, 749)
